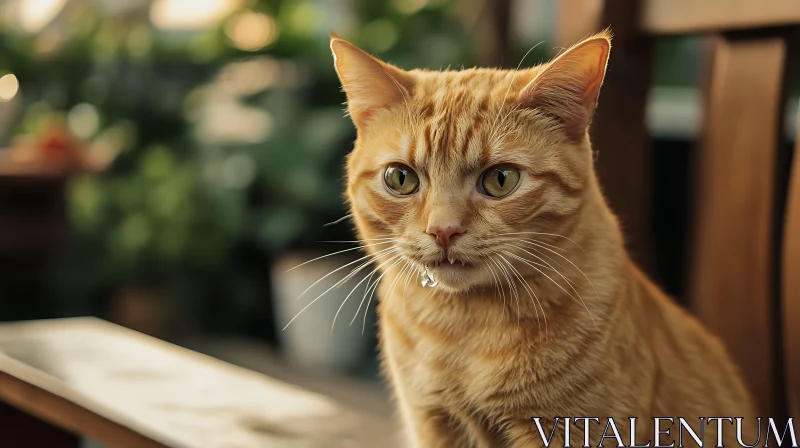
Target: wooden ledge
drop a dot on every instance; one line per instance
(125, 389)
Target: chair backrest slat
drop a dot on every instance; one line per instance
(733, 250)
(665, 17)
(791, 286)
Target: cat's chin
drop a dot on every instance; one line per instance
(456, 277)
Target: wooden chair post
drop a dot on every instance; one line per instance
(734, 249)
(791, 284)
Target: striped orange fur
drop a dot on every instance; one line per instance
(548, 316)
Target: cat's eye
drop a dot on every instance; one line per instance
(401, 179)
(499, 180)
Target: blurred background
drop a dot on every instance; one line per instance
(164, 162)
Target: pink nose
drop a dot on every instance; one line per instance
(445, 234)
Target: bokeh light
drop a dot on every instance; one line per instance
(380, 35)
(228, 121)
(190, 14)
(409, 6)
(34, 15)
(9, 86)
(139, 41)
(83, 120)
(303, 18)
(251, 31)
(238, 171)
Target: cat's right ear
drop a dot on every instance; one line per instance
(370, 84)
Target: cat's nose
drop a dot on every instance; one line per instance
(445, 233)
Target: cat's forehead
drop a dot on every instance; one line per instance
(475, 84)
(453, 123)
(452, 146)
(459, 118)
(449, 142)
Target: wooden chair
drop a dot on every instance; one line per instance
(740, 169)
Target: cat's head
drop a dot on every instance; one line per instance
(462, 170)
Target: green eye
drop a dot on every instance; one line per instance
(499, 180)
(401, 179)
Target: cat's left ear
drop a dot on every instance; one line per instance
(569, 86)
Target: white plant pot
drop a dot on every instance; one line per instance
(309, 340)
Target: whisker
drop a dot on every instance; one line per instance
(319, 296)
(396, 279)
(552, 246)
(363, 265)
(374, 288)
(579, 299)
(548, 258)
(381, 252)
(407, 280)
(512, 288)
(367, 276)
(496, 284)
(544, 233)
(530, 292)
(546, 265)
(537, 245)
(369, 285)
(358, 241)
(568, 261)
(347, 216)
(407, 268)
(366, 309)
(337, 253)
(502, 290)
(508, 243)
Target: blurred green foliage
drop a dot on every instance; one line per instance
(226, 157)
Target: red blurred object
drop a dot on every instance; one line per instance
(54, 151)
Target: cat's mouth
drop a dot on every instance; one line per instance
(450, 269)
(453, 261)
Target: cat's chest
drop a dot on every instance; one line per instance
(441, 369)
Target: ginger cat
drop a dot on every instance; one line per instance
(485, 177)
